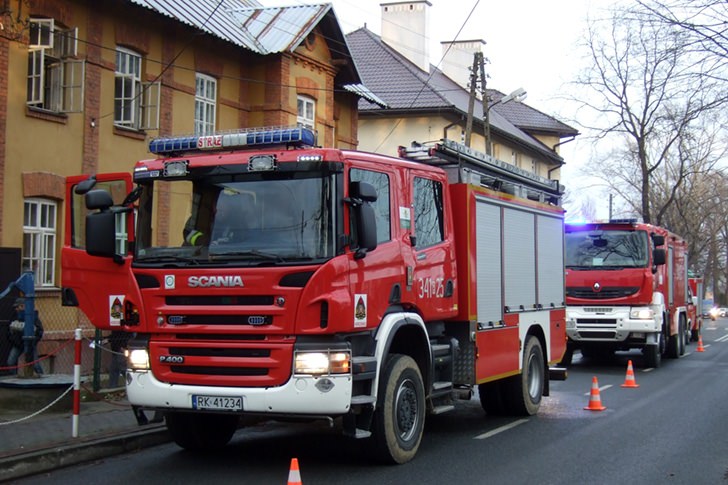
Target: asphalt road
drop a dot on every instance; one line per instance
(672, 429)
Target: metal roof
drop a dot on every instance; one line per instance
(267, 30)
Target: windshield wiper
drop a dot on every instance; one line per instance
(249, 252)
(168, 258)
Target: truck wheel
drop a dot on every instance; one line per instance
(695, 334)
(491, 398)
(653, 354)
(198, 431)
(676, 344)
(400, 416)
(524, 391)
(684, 334)
(567, 358)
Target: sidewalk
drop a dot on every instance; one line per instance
(30, 445)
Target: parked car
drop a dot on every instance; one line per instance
(723, 312)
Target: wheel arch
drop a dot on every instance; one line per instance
(403, 333)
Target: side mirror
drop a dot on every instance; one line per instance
(361, 194)
(659, 240)
(363, 191)
(659, 257)
(101, 234)
(98, 199)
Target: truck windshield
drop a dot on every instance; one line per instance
(606, 249)
(271, 219)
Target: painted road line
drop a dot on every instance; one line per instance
(600, 389)
(500, 430)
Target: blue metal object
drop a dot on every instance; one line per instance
(250, 137)
(26, 284)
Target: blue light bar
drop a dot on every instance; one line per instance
(248, 138)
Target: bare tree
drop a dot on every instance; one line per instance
(645, 92)
(703, 22)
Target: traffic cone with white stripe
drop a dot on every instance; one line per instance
(294, 474)
(595, 401)
(629, 380)
(700, 344)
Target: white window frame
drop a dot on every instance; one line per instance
(137, 106)
(40, 222)
(205, 104)
(306, 108)
(55, 80)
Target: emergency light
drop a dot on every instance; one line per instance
(249, 137)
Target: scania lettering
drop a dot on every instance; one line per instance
(321, 283)
(207, 281)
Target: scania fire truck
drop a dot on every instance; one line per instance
(265, 277)
(627, 288)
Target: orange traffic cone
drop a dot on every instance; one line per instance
(595, 402)
(294, 475)
(629, 380)
(700, 345)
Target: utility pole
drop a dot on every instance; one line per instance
(486, 108)
(471, 100)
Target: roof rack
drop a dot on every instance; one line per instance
(472, 166)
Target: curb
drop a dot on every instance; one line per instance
(63, 454)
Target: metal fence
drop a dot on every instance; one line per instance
(56, 349)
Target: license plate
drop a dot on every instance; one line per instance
(217, 403)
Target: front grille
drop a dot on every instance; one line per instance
(593, 334)
(587, 292)
(220, 361)
(206, 300)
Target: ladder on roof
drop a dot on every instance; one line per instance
(478, 168)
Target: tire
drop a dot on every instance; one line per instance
(199, 431)
(695, 334)
(684, 334)
(676, 344)
(400, 416)
(567, 358)
(523, 392)
(653, 353)
(491, 398)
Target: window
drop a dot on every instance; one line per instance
(380, 181)
(39, 240)
(55, 80)
(205, 102)
(428, 212)
(306, 112)
(136, 104)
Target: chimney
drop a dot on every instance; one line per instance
(405, 28)
(459, 59)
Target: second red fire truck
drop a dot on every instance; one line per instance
(269, 278)
(627, 288)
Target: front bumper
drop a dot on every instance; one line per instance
(608, 324)
(299, 396)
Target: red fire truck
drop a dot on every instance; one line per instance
(269, 278)
(626, 288)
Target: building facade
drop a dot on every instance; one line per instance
(85, 85)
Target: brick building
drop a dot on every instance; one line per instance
(84, 86)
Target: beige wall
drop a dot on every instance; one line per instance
(385, 135)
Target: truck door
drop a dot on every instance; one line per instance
(431, 258)
(98, 285)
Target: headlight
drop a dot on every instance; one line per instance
(642, 314)
(138, 359)
(319, 363)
